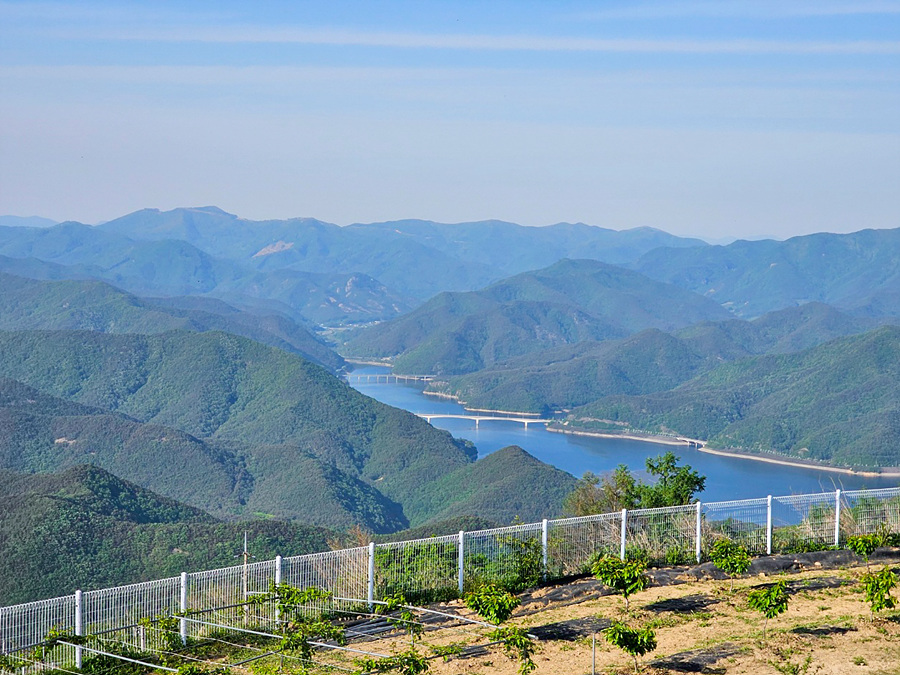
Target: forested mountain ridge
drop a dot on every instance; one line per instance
(303, 443)
(84, 528)
(649, 361)
(29, 304)
(568, 302)
(838, 402)
(858, 272)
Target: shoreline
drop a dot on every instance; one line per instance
(648, 438)
(701, 447)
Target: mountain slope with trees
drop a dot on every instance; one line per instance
(570, 301)
(300, 442)
(838, 403)
(85, 528)
(859, 272)
(29, 304)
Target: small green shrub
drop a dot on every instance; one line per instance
(770, 601)
(626, 577)
(492, 603)
(409, 662)
(864, 545)
(633, 641)
(878, 589)
(731, 558)
(518, 645)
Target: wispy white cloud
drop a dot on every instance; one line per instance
(484, 42)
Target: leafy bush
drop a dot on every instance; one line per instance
(624, 576)
(633, 641)
(518, 645)
(409, 662)
(492, 603)
(864, 545)
(771, 601)
(878, 589)
(731, 558)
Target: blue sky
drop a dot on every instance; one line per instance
(716, 119)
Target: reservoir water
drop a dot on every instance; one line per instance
(726, 477)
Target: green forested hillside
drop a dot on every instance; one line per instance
(85, 528)
(838, 402)
(571, 301)
(29, 304)
(650, 361)
(293, 440)
(507, 481)
(858, 272)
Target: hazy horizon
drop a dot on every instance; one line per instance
(717, 120)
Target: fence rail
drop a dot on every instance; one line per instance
(438, 568)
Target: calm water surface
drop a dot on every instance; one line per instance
(726, 478)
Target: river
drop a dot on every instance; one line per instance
(726, 477)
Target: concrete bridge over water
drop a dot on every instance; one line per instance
(388, 377)
(483, 418)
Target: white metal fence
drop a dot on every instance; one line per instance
(437, 568)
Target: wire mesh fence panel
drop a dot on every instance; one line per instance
(344, 573)
(743, 521)
(663, 535)
(870, 511)
(24, 626)
(122, 608)
(424, 570)
(573, 542)
(223, 595)
(510, 556)
(803, 522)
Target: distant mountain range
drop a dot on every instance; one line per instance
(569, 302)
(646, 362)
(858, 272)
(838, 402)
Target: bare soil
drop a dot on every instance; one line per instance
(703, 627)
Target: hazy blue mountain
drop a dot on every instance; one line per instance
(859, 272)
(28, 304)
(415, 258)
(568, 302)
(171, 267)
(838, 402)
(26, 221)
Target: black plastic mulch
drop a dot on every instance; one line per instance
(698, 660)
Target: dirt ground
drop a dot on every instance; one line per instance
(703, 627)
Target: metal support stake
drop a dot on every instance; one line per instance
(769, 525)
(699, 551)
(79, 628)
(371, 593)
(544, 529)
(183, 606)
(837, 518)
(461, 560)
(624, 530)
(277, 583)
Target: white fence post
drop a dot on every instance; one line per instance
(544, 529)
(837, 518)
(371, 593)
(461, 560)
(183, 606)
(79, 628)
(624, 530)
(699, 531)
(769, 525)
(277, 583)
